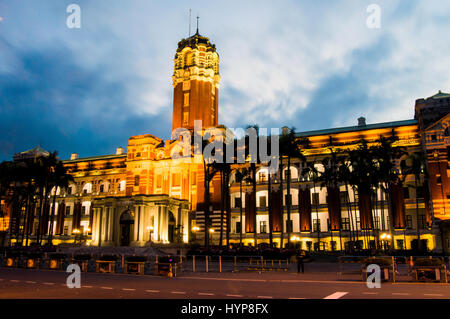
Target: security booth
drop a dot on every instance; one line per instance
(167, 266)
(55, 261)
(135, 265)
(82, 260)
(106, 264)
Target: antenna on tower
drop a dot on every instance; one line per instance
(197, 22)
(189, 23)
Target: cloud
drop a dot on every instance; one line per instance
(304, 64)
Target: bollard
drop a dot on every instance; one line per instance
(193, 263)
(156, 264)
(220, 263)
(393, 269)
(206, 263)
(234, 266)
(262, 265)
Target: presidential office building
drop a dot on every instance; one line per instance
(142, 195)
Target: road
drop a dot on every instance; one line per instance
(29, 283)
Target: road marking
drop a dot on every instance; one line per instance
(48, 283)
(264, 297)
(205, 294)
(370, 293)
(30, 282)
(106, 288)
(152, 290)
(129, 289)
(434, 295)
(14, 280)
(225, 279)
(179, 292)
(295, 298)
(336, 295)
(401, 293)
(86, 286)
(230, 295)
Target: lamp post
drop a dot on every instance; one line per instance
(195, 229)
(76, 231)
(150, 230)
(211, 231)
(385, 238)
(295, 240)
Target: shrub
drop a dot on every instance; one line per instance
(378, 261)
(108, 258)
(82, 257)
(136, 258)
(428, 262)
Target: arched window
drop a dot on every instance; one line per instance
(87, 188)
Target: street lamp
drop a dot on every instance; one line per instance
(150, 230)
(384, 239)
(211, 231)
(75, 232)
(295, 239)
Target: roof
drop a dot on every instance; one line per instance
(38, 151)
(346, 129)
(440, 95)
(94, 158)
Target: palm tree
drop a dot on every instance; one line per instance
(241, 176)
(253, 163)
(385, 155)
(311, 173)
(60, 178)
(330, 179)
(289, 147)
(415, 165)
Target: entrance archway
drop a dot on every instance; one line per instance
(171, 230)
(126, 222)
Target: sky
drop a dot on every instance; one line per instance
(304, 64)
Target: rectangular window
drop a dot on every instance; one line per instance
(289, 226)
(237, 202)
(433, 138)
(288, 199)
(422, 222)
(136, 180)
(194, 178)
(406, 192)
(358, 223)
(262, 177)
(343, 196)
(186, 99)
(67, 210)
(316, 225)
(66, 230)
(238, 227)
(409, 222)
(263, 227)
(400, 244)
(185, 118)
(262, 201)
(176, 180)
(419, 192)
(83, 210)
(376, 223)
(186, 85)
(438, 179)
(159, 181)
(345, 224)
(315, 199)
(102, 188)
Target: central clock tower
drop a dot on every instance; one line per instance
(196, 83)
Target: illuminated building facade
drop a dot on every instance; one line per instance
(144, 195)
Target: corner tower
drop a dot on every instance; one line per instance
(196, 83)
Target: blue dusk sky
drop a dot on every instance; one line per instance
(305, 64)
